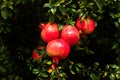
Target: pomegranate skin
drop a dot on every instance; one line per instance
(70, 34)
(36, 56)
(50, 32)
(89, 26)
(80, 24)
(57, 49)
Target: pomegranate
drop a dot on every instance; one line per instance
(70, 34)
(57, 49)
(35, 54)
(87, 26)
(80, 23)
(50, 31)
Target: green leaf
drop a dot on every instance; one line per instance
(58, 2)
(72, 72)
(115, 46)
(105, 74)
(62, 74)
(43, 75)
(117, 25)
(23, 1)
(1, 30)
(54, 72)
(73, 6)
(98, 5)
(94, 77)
(79, 65)
(117, 76)
(4, 14)
(2, 69)
(67, 2)
(47, 5)
(82, 4)
(77, 69)
(70, 21)
(119, 19)
(2, 48)
(90, 4)
(17, 2)
(71, 67)
(115, 66)
(49, 62)
(53, 10)
(96, 64)
(91, 52)
(51, 18)
(11, 7)
(3, 6)
(35, 71)
(112, 77)
(107, 67)
(62, 10)
(60, 27)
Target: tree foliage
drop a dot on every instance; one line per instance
(96, 57)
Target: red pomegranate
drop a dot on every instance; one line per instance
(87, 26)
(50, 31)
(57, 49)
(70, 34)
(80, 23)
(35, 54)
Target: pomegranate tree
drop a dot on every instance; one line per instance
(50, 31)
(57, 49)
(70, 34)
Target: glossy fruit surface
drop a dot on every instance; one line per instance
(70, 34)
(50, 32)
(87, 25)
(57, 49)
(80, 23)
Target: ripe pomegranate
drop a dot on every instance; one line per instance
(70, 34)
(57, 49)
(35, 54)
(49, 32)
(87, 26)
(80, 23)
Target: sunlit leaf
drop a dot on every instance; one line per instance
(72, 72)
(112, 77)
(43, 75)
(47, 5)
(4, 14)
(53, 10)
(35, 71)
(94, 77)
